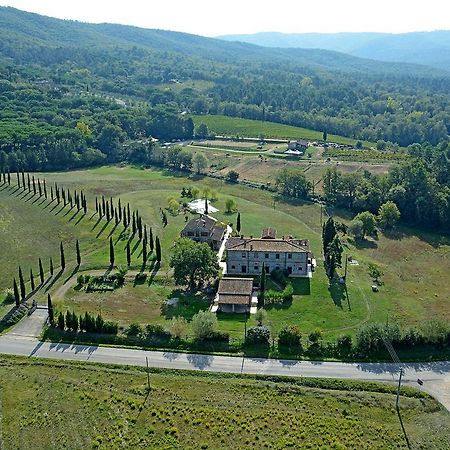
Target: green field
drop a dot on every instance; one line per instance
(55, 405)
(235, 126)
(414, 263)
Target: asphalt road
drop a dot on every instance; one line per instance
(435, 376)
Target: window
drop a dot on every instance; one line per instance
(204, 233)
(267, 269)
(233, 267)
(289, 255)
(289, 269)
(255, 255)
(244, 269)
(243, 254)
(277, 256)
(256, 267)
(266, 256)
(190, 233)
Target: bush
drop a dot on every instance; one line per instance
(204, 325)
(258, 335)
(290, 336)
(178, 327)
(232, 176)
(110, 327)
(344, 345)
(133, 330)
(280, 276)
(155, 331)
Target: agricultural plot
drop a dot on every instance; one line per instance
(414, 263)
(48, 404)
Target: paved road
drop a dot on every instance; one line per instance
(436, 376)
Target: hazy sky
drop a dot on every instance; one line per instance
(212, 17)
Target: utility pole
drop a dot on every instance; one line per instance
(345, 271)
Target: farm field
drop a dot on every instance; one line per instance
(414, 263)
(55, 405)
(235, 126)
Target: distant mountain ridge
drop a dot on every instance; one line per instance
(24, 32)
(430, 48)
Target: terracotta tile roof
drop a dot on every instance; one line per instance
(267, 245)
(228, 299)
(269, 233)
(200, 222)
(235, 286)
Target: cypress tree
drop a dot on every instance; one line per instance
(61, 321)
(51, 314)
(32, 280)
(144, 251)
(328, 234)
(206, 206)
(111, 252)
(40, 188)
(133, 223)
(139, 223)
(124, 215)
(238, 223)
(107, 212)
(51, 193)
(9, 177)
(16, 293)
(77, 245)
(22, 285)
(152, 244)
(158, 250)
(128, 213)
(103, 203)
(51, 267)
(62, 257)
(119, 209)
(69, 325)
(116, 216)
(85, 208)
(18, 180)
(145, 233)
(63, 194)
(58, 196)
(34, 185)
(45, 189)
(96, 205)
(111, 205)
(23, 180)
(41, 272)
(128, 254)
(29, 182)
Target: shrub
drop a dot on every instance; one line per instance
(344, 345)
(178, 327)
(155, 331)
(261, 316)
(204, 325)
(80, 280)
(288, 292)
(290, 336)
(110, 327)
(280, 276)
(133, 330)
(232, 176)
(258, 335)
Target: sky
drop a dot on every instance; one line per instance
(213, 18)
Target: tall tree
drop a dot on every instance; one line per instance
(158, 250)
(62, 257)
(23, 292)
(128, 254)
(32, 280)
(77, 245)
(111, 252)
(238, 223)
(152, 244)
(51, 267)
(144, 251)
(328, 233)
(262, 284)
(41, 272)
(206, 206)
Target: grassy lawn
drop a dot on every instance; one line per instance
(414, 263)
(233, 126)
(55, 405)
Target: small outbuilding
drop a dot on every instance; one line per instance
(235, 295)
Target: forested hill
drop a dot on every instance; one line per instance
(26, 36)
(430, 48)
(72, 94)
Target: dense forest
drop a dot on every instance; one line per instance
(72, 94)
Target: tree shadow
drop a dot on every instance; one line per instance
(338, 293)
(113, 229)
(96, 223)
(80, 219)
(364, 244)
(302, 286)
(54, 280)
(102, 229)
(74, 271)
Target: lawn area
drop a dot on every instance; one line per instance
(235, 126)
(56, 405)
(414, 263)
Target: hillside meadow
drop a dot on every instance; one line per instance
(57, 405)
(414, 263)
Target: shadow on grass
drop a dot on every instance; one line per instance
(54, 280)
(302, 286)
(102, 229)
(74, 271)
(403, 428)
(364, 244)
(338, 293)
